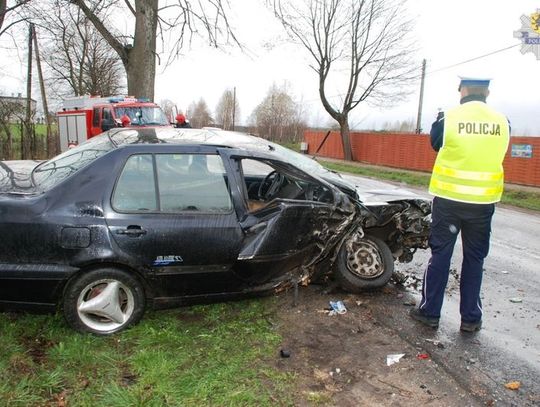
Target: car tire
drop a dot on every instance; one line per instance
(364, 264)
(103, 301)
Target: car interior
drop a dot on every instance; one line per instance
(265, 182)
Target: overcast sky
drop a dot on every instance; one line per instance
(447, 33)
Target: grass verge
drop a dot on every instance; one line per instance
(218, 355)
(41, 130)
(513, 195)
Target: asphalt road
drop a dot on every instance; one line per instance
(508, 346)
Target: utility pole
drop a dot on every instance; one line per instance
(26, 145)
(234, 107)
(50, 140)
(419, 117)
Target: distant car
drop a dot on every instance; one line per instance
(162, 217)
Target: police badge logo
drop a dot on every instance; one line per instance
(529, 34)
(535, 22)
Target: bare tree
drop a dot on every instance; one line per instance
(227, 110)
(368, 39)
(79, 60)
(8, 8)
(11, 110)
(199, 114)
(169, 108)
(278, 117)
(179, 21)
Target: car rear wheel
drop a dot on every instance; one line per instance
(364, 263)
(103, 301)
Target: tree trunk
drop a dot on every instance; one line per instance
(7, 153)
(141, 62)
(51, 141)
(3, 6)
(345, 137)
(26, 133)
(139, 58)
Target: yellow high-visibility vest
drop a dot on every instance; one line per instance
(468, 167)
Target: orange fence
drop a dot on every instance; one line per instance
(413, 152)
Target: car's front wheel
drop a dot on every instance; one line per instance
(103, 301)
(364, 263)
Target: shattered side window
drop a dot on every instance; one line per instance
(256, 168)
(265, 181)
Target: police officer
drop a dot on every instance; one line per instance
(467, 180)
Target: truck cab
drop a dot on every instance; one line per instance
(84, 117)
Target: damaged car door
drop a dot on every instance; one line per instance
(291, 220)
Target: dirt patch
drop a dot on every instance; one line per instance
(37, 347)
(342, 359)
(189, 316)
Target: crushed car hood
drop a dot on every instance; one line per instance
(16, 176)
(382, 196)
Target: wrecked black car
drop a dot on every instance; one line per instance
(164, 217)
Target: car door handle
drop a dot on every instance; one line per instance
(131, 231)
(255, 228)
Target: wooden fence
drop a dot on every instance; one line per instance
(414, 152)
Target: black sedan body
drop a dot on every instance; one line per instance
(164, 217)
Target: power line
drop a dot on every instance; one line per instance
(473, 59)
(437, 70)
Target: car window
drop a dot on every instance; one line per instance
(107, 114)
(95, 118)
(256, 168)
(50, 173)
(135, 189)
(143, 115)
(186, 182)
(265, 181)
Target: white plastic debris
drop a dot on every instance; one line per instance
(394, 358)
(338, 307)
(504, 271)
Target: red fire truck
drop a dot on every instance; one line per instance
(86, 116)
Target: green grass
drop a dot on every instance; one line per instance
(292, 145)
(212, 355)
(513, 195)
(521, 199)
(41, 130)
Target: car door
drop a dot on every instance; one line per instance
(297, 227)
(171, 212)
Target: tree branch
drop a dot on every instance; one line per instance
(113, 42)
(130, 7)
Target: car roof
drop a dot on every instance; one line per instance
(217, 138)
(204, 136)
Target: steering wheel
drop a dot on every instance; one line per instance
(274, 180)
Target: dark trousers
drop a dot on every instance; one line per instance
(448, 219)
